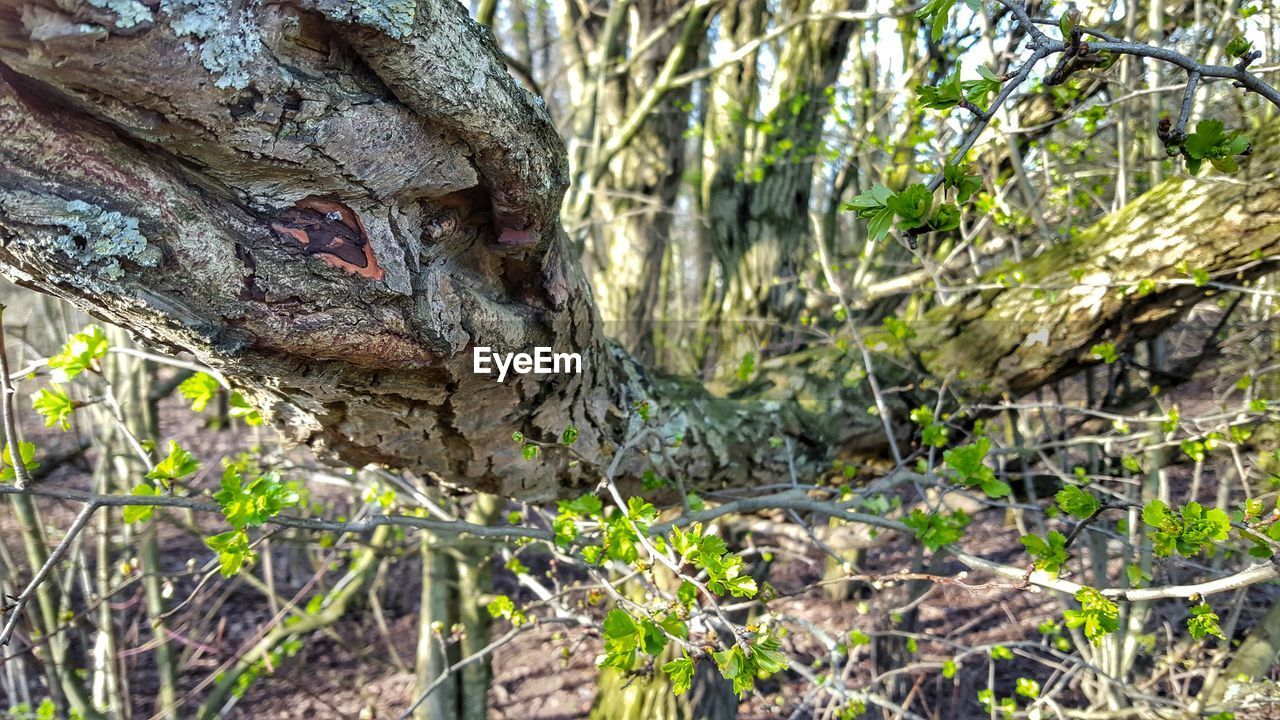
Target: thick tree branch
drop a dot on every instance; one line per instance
(350, 203)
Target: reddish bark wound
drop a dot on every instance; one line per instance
(333, 232)
(510, 236)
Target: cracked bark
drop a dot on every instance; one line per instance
(337, 206)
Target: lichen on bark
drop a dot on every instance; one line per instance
(229, 41)
(129, 13)
(96, 239)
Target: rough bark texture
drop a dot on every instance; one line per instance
(626, 202)
(332, 203)
(758, 158)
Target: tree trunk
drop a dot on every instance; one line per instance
(759, 154)
(626, 198)
(355, 196)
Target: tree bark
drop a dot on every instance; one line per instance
(334, 203)
(758, 159)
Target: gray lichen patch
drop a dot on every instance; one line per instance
(128, 12)
(95, 238)
(393, 17)
(228, 44)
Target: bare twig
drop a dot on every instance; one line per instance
(21, 478)
(20, 603)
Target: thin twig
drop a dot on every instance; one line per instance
(20, 603)
(21, 478)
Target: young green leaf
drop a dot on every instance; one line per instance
(26, 451)
(680, 671)
(201, 389)
(81, 352)
(55, 406)
(139, 513)
(1050, 554)
(176, 465)
(253, 504)
(1203, 621)
(233, 551)
(1096, 617)
(1077, 502)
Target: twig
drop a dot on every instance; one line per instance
(21, 479)
(20, 603)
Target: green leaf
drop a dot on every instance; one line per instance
(912, 206)
(680, 671)
(742, 667)
(1105, 351)
(26, 451)
(239, 408)
(1239, 46)
(1077, 502)
(200, 389)
(1211, 142)
(570, 435)
(939, 11)
(938, 27)
(641, 511)
(176, 465)
(967, 463)
(933, 434)
(1050, 554)
(742, 586)
(945, 218)
(943, 96)
(1188, 532)
(880, 224)
(1067, 23)
(872, 205)
(956, 176)
(870, 200)
(1096, 617)
(55, 406)
(139, 513)
(977, 92)
(503, 607)
(622, 637)
(1137, 576)
(1204, 621)
(936, 530)
(1208, 135)
(687, 594)
(80, 353)
(255, 503)
(233, 551)
(989, 75)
